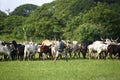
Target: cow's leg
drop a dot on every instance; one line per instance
(34, 55)
(90, 54)
(3, 57)
(24, 56)
(65, 54)
(56, 56)
(110, 54)
(74, 54)
(52, 53)
(79, 54)
(51, 56)
(84, 54)
(119, 56)
(40, 55)
(69, 51)
(28, 55)
(98, 54)
(70, 54)
(48, 55)
(18, 56)
(60, 55)
(104, 55)
(9, 56)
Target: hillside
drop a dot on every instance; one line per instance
(69, 19)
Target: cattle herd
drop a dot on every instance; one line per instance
(61, 49)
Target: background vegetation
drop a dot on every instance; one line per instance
(66, 19)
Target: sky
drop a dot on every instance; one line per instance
(12, 4)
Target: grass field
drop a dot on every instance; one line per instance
(61, 70)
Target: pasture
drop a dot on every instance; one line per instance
(76, 69)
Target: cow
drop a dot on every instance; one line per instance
(46, 42)
(53, 48)
(83, 47)
(73, 48)
(114, 49)
(6, 49)
(76, 49)
(30, 50)
(60, 49)
(18, 52)
(69, 48)
(99, 47)
(44, 49)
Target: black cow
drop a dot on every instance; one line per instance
(114, 50)
(18, 53)
(83, 47)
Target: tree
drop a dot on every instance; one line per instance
(2, 17)
(87, 31)
(24, 10)
(12, 22)
(66, 19)
(106, 16)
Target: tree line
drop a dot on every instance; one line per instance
(65, 19)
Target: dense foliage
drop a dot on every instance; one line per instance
(66, 19)
(2, 17)
(24, 10)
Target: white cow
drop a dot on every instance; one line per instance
(5, 50)
(30, 50)
(99, 47)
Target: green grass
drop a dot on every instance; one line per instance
(61, 70)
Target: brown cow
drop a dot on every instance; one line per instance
(45, 50)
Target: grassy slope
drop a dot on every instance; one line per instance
(61, 70)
